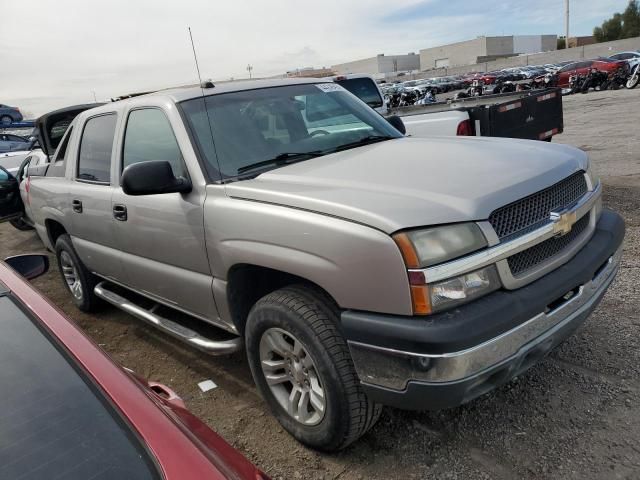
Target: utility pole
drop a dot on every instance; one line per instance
(94, 96)
(566, 19)
(249, 68)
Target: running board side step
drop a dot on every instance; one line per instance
(182, 333)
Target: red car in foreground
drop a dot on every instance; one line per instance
(583, 67)
(68, 411)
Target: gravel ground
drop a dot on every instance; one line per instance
(574, 416)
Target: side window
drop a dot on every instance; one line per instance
(96, 144)
(149, 137)
(26, 163)
(4, 175)
(58, 162)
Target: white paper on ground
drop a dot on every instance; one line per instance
(207, 385)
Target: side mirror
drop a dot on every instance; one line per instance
(397, 123)
(29, 266)
(152, 178)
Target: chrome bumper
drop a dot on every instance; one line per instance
(393, 369)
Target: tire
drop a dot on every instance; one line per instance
(20, 224)
(302, 314)
(6, 120)
(78, 280)
(633, 81)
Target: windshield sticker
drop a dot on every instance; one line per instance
(330, 87)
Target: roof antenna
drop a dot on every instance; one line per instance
(207, 83)
(203, 85)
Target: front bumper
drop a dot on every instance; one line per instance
(450, 358)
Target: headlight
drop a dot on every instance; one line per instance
(428, 247)
(422, 248)
(464, 288)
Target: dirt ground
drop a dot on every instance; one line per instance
(574, 416)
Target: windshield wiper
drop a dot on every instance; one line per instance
(282, 159)
(363, 141)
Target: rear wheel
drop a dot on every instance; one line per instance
(79, 281)
(6, 120)
(303, 369)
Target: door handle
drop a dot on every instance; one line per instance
(76, 205)
(120, 212)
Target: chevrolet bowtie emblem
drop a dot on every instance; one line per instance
(562, 222)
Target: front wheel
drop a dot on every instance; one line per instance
(303, 369)
(633, 80)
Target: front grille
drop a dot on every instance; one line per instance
(525, 214)
(534, 256)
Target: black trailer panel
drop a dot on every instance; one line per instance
(531, 115)
(535, 117)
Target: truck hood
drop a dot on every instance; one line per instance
(415, 182)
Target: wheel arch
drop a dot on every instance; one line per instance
(54, 229)
(247, 283)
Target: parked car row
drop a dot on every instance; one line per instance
(411, 91)
(354, 266)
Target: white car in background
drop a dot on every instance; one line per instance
(22, 165)
(633, 59)
(11, 161)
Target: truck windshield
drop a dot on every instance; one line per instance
(270, 127)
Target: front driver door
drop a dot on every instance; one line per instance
(10, 203)
(162, 236)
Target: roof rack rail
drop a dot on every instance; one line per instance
(131, 95)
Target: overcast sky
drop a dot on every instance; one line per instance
(54, 53)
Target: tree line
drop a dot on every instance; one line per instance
(621, 25)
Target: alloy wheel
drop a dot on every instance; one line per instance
(292, 376)
(70, 273)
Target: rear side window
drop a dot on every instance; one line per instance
(149, 137)
(57, 167)
(96, 145)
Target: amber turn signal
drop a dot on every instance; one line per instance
(420, 299)
(408, 251)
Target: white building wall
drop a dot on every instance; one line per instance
(527, 44)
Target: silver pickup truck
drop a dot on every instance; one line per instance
(356, 267)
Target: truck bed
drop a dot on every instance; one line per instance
(535, 115)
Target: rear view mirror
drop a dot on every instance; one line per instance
(29, 266)
(397, 123)
(152, 178)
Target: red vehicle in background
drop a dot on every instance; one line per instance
(582, 68)
(486, 78)
(68, 411)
